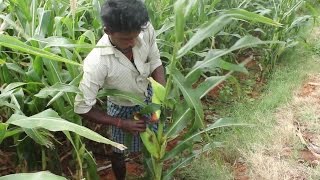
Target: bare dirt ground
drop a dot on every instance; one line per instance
(294, 148)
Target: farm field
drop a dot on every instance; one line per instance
(241, 99)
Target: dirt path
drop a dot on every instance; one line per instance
(294, 148)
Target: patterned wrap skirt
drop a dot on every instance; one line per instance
(133, 142)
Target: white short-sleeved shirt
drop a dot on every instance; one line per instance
(108, 68)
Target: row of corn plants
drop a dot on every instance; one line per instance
(42, 46)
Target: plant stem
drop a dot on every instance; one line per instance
(43, 159)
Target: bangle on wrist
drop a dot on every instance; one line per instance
(119, 122)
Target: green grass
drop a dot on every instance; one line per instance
(288, 76)
(205, 169)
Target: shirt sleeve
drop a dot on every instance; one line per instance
(154, 54)
(92, 81)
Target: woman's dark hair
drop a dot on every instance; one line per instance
(124, 15)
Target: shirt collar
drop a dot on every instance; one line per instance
(107, 48)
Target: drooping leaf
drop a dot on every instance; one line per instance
(50, 120)
(57, 41)
(217, 24)
(190, 97)
(252, 17)
(38, 137)
(15, 44)
(12, 86)
(90, 35)
(208, 65)
(125, 95)
(168, 24)
(59, 94)
(58, 87)
(223, 122)
(211, 58)
(207, 30)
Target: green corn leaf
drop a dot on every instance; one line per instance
(55, 76)
(15, 101)
(5, 74)
(14, 25)
(44, 22)
(122, 94)
(50, 120)
(292, 10)
(39, 137)
(76, 149)
(166, 55)
(208, 85)
(15, 67)
(37, 65)
(298, 22)
(158, 91)
(150, 108)
(150, 142)
(217, 24)
(181, 118)
(12, 132)
(179, 20)
(212, 57)
(58, 25)
(3, 130)
(223, 122)
(91, 166)
(72, 83)
(207, 30)
(211, 63)
(252, 17)
(168, 174)
(15, 44)
(58, 87)
(33, 176)
(90, 35)
(167, 25)
(57, 41)
(12, 86)
(190, 4)
(249, 41)
(10, 105)
(24, 7)
(190, 97)
(2, 61)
